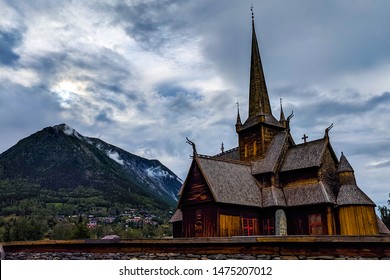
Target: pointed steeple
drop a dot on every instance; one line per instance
(282, 118)
(344, 165)
(238, 122)
(258, 94)
(345, 172)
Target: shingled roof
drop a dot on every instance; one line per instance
(273, 196)
(304, 155)
(268, 119)
(309, 194)
(382, 227)
(268, 163)
(352, 195)
(230, 182)
(229, 154)
(177, 216)
(344, 165)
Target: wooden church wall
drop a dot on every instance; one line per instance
(299, 177)
(308, 220)
(229, 225)
(357, 220)
(231, 219)
(254, 142)
(196, 189)
(200, 221)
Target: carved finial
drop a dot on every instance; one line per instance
(253, 16)
(222, 148)
(327, 130)
(290, 117)
(193, 146)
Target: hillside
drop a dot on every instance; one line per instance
(58, 166)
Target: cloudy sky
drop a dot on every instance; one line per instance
(143, 75)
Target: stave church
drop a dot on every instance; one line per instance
(269, 185)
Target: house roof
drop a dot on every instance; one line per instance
(230, 182)
(309, 194)
(304, 155)
(352, 195)
(269, 162)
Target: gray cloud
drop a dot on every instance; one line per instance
(8, 41)
(143, 75)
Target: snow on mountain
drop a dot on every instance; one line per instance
(151, 172)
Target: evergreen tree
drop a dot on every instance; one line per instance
(385, 213)
(82, 231)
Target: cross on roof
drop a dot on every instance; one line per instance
(304, 138)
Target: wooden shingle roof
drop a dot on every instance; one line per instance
(177, 216)
(229, 154)
(344, 165)
(382, 227)
(268, 119)
(269, 162)
(304, 155)
(352, 195)
(230, 182)
(309, 194)
(273, 196)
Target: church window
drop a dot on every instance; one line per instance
(315, 224)
(248, 225)
(254, 148)
(269, 226)
(246, 150)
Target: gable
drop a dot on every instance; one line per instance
(195, 189)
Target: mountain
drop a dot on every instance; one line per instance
(59, 165)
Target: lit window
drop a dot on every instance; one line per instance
(315, 224)
(254, 148)
(248, 225)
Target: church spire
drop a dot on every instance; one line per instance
(282, 119)
(258, 94)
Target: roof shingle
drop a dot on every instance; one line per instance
(230, 182)
(309, 194)
(304, 156)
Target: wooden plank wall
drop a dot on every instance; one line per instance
(357, 220)
(229, 225)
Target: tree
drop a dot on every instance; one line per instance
(385, 213)
(82, 231)
(63, 231)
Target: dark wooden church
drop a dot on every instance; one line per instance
(269, 185)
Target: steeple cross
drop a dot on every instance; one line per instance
(304, 138)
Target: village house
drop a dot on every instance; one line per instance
(269, 184)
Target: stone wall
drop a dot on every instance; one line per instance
(169, 256)
(236, 248)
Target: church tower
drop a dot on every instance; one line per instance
(255, 135)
